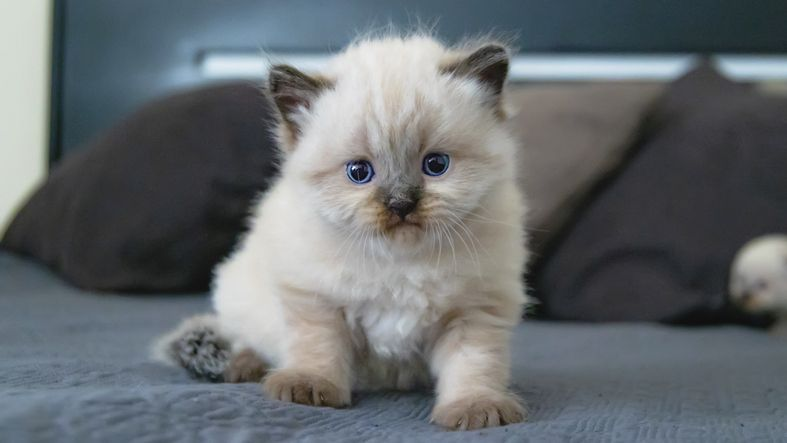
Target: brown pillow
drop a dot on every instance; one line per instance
(573, 136)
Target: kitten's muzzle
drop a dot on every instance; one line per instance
(401, 199)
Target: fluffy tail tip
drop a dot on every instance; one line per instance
(196, 345)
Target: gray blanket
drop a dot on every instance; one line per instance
(74, 367)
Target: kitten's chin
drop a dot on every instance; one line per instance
(404, 233)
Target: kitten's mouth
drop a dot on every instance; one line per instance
(399, 224)
(393, 223)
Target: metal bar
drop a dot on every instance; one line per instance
(223, 65)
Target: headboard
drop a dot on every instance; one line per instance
(110, 56)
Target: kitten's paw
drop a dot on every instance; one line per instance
(479, 411)
(245, 367)
(304, 388)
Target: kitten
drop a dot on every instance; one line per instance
(758, 279)
(390, 251)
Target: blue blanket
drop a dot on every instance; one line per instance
(74, 366)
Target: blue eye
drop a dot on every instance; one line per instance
(360, 171)
(435, 164)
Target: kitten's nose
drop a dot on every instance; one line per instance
(401, 207)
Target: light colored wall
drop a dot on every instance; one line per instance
(25, 30)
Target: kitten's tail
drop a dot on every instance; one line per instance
(198, 346)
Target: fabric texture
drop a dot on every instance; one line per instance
(573, 136)
(74, 367)
(657, 240)
(154, 203)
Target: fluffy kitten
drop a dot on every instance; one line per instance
(390, 251)
(758, 279)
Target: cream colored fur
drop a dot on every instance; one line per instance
(758, 278)
(332, 302)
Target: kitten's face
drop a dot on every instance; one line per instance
(397, 144)
(400, 156)
(402, 178)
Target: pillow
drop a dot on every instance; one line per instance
(154, 203)
(657, 241)
(573, 136)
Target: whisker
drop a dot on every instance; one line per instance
(472, 236)
(440, 242)
(478, 218)
(363, 253)
(451, 243)
(473, 253)
(373, 249)
(345, 242)
(474, 241)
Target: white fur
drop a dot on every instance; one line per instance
(758, 279)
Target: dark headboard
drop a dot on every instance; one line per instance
(112, 55)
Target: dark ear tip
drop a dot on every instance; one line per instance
(495, 48)
(276, 73)
(493, 51)
(280, 69)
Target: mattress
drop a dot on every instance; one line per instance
(74, 366)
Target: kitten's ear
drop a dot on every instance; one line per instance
(293, 93)
(488, 65)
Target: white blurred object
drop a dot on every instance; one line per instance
(25, 37)
(758, 278)
(547, 67)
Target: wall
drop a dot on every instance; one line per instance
(25, 30)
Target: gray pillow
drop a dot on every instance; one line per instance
(155, 202)
(657, 241)
(573, 136)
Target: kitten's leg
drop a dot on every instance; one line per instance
(316, 369)
(471, 362)
(244, 367)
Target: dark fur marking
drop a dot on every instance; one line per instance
(291, 90)
(488, 65)
(202, 353)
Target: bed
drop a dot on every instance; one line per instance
(75, 367)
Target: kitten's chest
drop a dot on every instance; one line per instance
(398, 318)
(390, 332)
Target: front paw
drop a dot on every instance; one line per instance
(305, 388)
(245, 367)
(479, 411)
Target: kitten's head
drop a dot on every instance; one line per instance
(400, 138)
